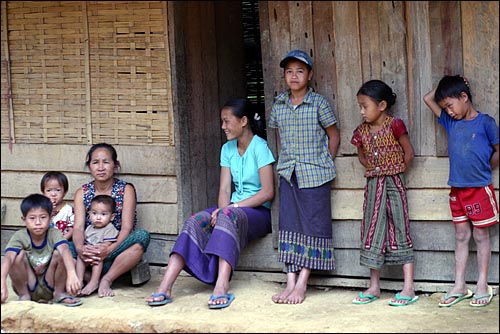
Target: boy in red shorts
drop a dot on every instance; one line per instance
(473, 154)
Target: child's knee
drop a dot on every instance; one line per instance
(462, 235)
(56, 256)
(21, 260)
(481, 235)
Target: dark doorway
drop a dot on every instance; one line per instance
(253, 55)
(217, 56)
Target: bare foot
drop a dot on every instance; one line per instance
(89, 289)
(105, 289)
(280, 298)
(297, 296)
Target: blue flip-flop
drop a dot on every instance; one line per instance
(61, 299)
(166, 299)
(230, 297)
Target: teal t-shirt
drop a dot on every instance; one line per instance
(245, 168)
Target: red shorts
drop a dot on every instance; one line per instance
(477, 205)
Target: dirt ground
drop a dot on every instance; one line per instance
(325, 310)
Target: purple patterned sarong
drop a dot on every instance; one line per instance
(305, 227)
(200, 245)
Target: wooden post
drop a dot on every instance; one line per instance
(10, 106)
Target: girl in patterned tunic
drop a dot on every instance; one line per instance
(121, 256)
(385, 150)
(55, 186)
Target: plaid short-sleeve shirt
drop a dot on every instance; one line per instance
(304, 142)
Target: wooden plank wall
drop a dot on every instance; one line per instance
(410, 45)
(155, 180)
(407, 44)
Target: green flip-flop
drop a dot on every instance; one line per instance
(370, 298)
(399, 297)
(489, 295)
(458, 298)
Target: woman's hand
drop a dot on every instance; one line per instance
(214, 217)
(93, 254)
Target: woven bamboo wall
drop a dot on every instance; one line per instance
(83, 72)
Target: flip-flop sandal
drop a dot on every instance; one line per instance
(61, 299)
(458, 298)
(399, 297)
(166, 299)
(489, 295)
(371, 298)
(230, 297)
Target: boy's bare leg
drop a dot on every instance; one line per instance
(121, 264)
(462, 237)
(482, 239)
(374, 288)
(21, 275)
(56, 277)
(298, 294)
(280, 298)
(93, 283)
(80, 269)
(175, 265)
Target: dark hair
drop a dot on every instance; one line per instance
(106, 200)
(243, 107)
(452, 86)
(60, 177)
(109, 147)
(378, 91)
(35, 201)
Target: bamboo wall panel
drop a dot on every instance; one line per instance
(46, 67)
(87, 72)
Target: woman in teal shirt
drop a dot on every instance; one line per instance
(210, 242)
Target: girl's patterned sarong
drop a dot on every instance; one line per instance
(385, 228)
(305, 227)
(200, 245)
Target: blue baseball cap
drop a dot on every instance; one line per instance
(299, 55)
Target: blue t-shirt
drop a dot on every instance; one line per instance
(245, 169)
(470, 147)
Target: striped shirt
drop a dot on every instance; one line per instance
(304, 142)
